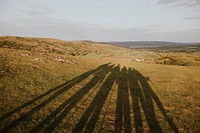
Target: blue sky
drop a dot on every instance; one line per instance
(103, 20)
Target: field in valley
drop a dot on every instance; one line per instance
(50, 85)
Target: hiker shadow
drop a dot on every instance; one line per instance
(143, 98)
(51, 94)
(91, 112)
(90, 117)
(132, 88)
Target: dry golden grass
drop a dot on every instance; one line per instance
(105, 90)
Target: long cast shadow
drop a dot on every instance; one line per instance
(58, 90)
(135, 95)
(142, 93)
(89, 118)
(130, 80)
(122, 118)
(72, 101)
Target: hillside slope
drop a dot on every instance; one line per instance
(53, 85)
(48, 45)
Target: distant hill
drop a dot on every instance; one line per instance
(51, 45)
(151, 44)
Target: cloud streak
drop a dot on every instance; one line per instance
(40, 20)
(39, 10)
(192, 18)
(77, 31)
(186, 3)
(36, 11)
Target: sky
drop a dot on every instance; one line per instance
(102, 20)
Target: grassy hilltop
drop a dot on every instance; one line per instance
(54, 85)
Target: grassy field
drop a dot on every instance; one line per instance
(49, 85)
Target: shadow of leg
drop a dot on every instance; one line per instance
(147, 103)
(73, 100)
(60, 89)
(89, 118)
(122, 118)
(135, 95)
(150, 97)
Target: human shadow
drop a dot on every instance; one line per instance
(72, 101)
(56, 92)
(142, 94)
(132, 88)
(122, 118)
(89, 118)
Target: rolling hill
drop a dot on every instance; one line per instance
(152, 44)
(51, 85)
